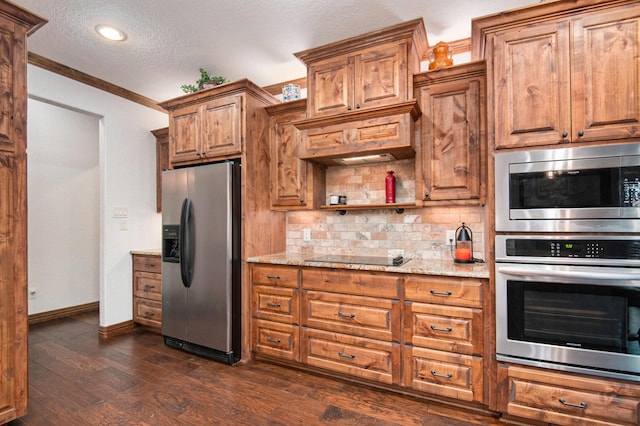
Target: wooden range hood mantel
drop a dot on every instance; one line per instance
(382, 130)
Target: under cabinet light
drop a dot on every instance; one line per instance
(377, 158)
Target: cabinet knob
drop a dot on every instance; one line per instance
(581, 133)
(301, 200)
(426, 194)
(349, 108)
(565, 134)
(357, 106)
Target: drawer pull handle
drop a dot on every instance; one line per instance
(150, 265)
(148, 314)
(434, 373)
(342, 315)
(582, 405)
(440, 293)
(434, 328)
(148, 287)
(273, 305)
(343, 355)
(272, 340)
(274, 277)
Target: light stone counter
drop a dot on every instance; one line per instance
(413, 266)
(152, 252)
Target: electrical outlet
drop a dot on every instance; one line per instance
(450, 236)
(306, 234)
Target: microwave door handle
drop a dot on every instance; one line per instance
(522, 272)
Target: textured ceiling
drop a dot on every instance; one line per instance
(168, 40)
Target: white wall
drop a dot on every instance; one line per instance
(63, 201)
(127, 180)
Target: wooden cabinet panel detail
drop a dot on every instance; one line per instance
(444, 373)
(349, 282)
(6, 87)
(276, 339)
(446, 328)
(465, 292)
(360, 357)
(359, 316)
(567, 399)
(276, 304)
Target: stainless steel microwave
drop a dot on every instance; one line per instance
(584, 189)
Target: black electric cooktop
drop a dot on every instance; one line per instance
(362, 260)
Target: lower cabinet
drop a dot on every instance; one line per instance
(147, 290)
(566, 399)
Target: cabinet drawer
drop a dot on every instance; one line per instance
(276, 304)
(356, 356)
(443, 373)
(356, 283)
(355, 315)
(147, 312)
(147, 285)
(276, 339)
(281, 276)
(147, 263)
(567, 399)
(444, 291)
(446, 328)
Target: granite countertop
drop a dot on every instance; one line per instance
(151, 252)
(413, 266)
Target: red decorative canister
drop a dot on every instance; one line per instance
(390, 187)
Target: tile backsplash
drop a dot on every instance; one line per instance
(416, 233)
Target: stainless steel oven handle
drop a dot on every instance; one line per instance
(522, 272)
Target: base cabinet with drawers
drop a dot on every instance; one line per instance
(147, 290)
(415, 333)
(566, 399)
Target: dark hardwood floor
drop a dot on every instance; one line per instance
(75, 378)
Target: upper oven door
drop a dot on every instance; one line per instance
(587, 189)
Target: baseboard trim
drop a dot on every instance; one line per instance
(64, 312)
(105, 332)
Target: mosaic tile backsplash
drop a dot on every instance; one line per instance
(417, 233)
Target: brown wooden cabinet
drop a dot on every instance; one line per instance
(295, 183)
(351, 323)
(444, 337)
(15, 24)
(359, 93)
(162, 161)
(276, 311)
(147, 290)
(206, 131)
(451, 165)
(566, 399)
(369, 78)
(571, 78)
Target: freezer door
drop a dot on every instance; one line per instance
(209, 310)
(174, 295)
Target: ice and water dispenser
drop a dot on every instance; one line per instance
(171, 243)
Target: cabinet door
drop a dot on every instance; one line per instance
(6, 86)
(452, 140)
(184, 136)
(288, 172)
(330, 86)
(222, 127)
(531, 86)
(380, 76)
(606, 75)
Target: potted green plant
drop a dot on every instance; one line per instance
(205, 81)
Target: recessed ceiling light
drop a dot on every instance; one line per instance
(111, 33)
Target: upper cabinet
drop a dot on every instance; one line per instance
(376, 76)
(162, 161)
(360, 95)
(210, 125)
(451, 166)
(570, 78)
(295, 184)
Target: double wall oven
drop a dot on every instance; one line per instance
(567, 254)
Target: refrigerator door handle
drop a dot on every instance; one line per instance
(187, 243)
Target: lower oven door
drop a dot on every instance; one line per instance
(573, 318)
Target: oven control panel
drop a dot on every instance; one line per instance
(568, 248)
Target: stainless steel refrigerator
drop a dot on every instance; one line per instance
(201, 260)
